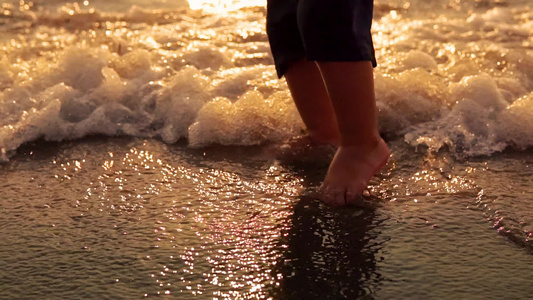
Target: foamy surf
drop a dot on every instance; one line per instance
(444, 80)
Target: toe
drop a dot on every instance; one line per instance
(352, 198)
(326, 194)
(354, 195)
(340, 197)
(332, 195)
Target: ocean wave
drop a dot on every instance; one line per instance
(444, 80)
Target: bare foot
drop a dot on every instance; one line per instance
(300, 144)
(310, 140)
(349, 172)
(304, 148)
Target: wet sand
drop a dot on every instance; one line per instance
(128, 218)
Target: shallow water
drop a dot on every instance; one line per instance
(128, 218)
(171, 211)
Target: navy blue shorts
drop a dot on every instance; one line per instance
(319, 30)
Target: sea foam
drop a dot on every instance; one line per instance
(464, 83)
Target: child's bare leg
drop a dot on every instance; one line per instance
(362, 152)
(312, 100)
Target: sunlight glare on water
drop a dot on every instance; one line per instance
(222, 6)
(130, 218)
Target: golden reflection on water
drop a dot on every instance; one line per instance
(222, 6)
(214, 232)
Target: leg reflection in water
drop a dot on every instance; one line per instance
(331, 253)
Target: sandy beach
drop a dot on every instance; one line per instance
(139, 145)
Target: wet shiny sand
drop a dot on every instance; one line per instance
(131, 218)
